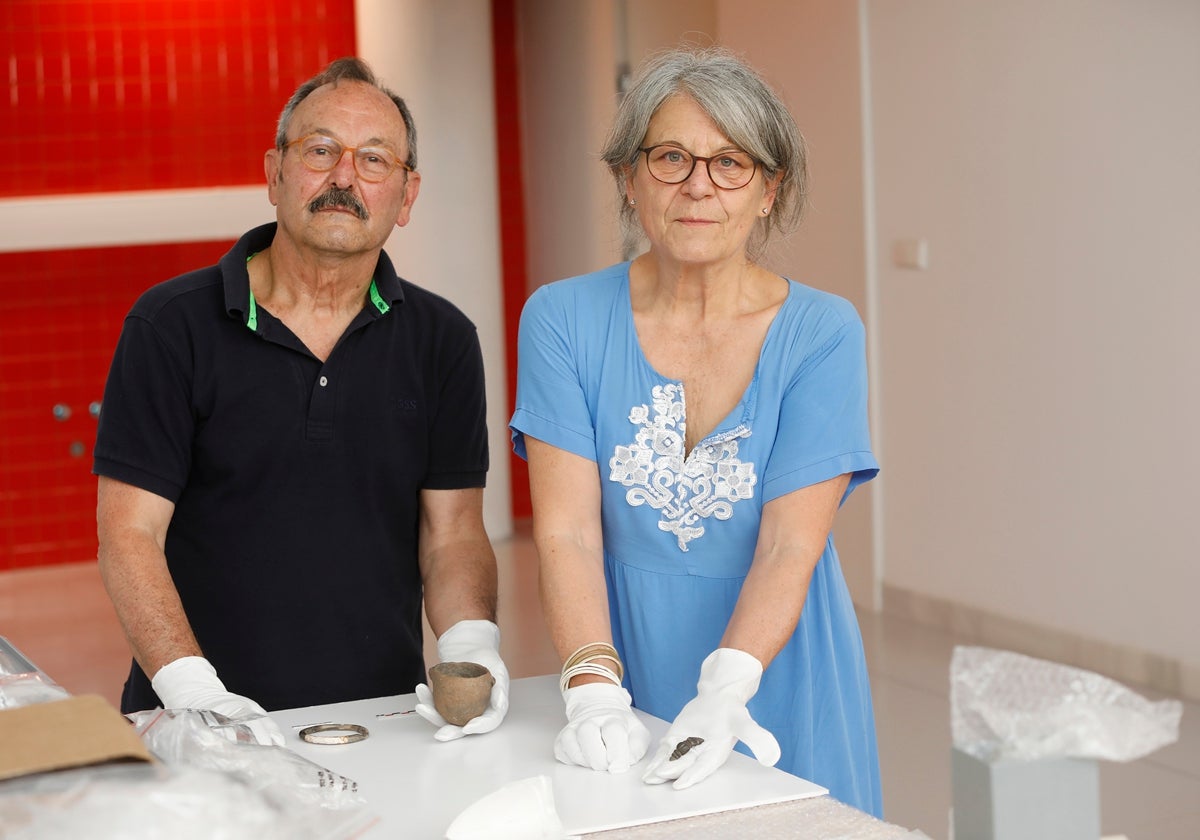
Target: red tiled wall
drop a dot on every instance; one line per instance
(108, 95)
(60, 316)
(112, 95)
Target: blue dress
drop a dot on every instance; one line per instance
(680, 529)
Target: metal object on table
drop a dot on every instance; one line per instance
(334, 733)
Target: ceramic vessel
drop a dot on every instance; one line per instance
(461, 690)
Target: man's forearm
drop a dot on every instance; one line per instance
(143, 594)
(460, 583)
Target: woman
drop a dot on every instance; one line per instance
(692, 423)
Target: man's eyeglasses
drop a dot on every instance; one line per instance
(672, 165)
(373, 163)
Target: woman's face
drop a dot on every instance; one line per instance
(695, 222)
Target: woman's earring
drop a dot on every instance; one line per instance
(633, 203)
(766, 210)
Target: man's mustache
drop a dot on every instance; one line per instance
(336, 197)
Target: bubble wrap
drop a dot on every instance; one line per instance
(1006, 705)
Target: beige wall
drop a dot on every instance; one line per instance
(567, 55)
(660, 24)
(1038, 381)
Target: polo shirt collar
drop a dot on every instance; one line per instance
(385, 292)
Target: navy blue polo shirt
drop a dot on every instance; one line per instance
(296, 482)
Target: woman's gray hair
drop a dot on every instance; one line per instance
(743, 107)
(349, 69)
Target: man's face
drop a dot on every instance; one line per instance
(337, 211)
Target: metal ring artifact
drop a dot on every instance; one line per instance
(351, 732)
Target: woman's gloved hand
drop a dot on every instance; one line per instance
(478, 641)
(717, 718)
(602, 732)
(191, 682)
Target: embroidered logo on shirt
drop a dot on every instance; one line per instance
(688, 489)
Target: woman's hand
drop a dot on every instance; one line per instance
(706, 729)
(602, 732)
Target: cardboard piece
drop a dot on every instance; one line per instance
(1007, 799)
(74, 732)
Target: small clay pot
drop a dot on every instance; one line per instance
(461, 690)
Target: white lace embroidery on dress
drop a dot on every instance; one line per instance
(686, 490)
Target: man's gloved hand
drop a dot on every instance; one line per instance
(475, 641)
(602, 732)
(718, 715)
(191, 682)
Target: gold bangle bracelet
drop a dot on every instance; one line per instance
(351, 733)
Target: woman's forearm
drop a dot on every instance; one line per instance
(792, 537)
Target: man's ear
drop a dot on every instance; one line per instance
(411, 188)
(272, 166)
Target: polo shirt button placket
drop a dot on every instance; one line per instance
(321, 409)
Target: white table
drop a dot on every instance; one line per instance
(417, 785)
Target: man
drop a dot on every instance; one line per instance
(292, 448)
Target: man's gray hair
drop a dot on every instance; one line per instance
(349, 69)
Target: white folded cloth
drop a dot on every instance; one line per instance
(521, 810)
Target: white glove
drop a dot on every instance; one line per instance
(602, 732)
(717, 714)
(191, 682)
(475, 641)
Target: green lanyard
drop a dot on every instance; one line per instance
(252, 318)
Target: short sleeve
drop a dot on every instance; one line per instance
(146, 420)
(458, 445)
(551, 403)
(823, 424)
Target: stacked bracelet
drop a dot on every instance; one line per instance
(593, 651)
(585, 661)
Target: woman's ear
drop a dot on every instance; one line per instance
(770, 190)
